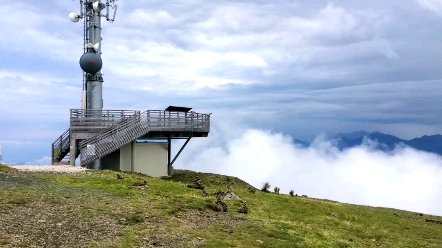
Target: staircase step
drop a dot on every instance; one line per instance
(113, 138)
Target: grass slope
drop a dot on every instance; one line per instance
(94, 209)
(5, 168)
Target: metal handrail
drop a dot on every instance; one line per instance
(110, 131)
(186, 121)
(82, 119)
(82, 113)
(61, 137)
(121, 133)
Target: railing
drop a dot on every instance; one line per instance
(96, 120)
(160, 120)
(113, 138)
(59, 144)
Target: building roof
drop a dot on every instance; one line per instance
(178, 109)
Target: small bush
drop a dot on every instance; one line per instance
(292, 193)
(133, 219)
(276, 189)
(265, 187)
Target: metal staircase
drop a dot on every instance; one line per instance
(60, 147)
(113, 138)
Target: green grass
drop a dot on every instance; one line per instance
(171, 214)
(5, 168)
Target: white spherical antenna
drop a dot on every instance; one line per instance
(96, 46)
(74, 17)
(96, 6)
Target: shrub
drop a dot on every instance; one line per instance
(276, 189)
(265, 187)
(292, 193)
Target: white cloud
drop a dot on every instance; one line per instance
(177, 48)
(432, 5)
(404, 179)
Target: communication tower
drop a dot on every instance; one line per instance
(91, 12)
(109, 139)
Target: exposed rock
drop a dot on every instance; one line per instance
(304, 196)
(197, 184)
(244, 209)
(222, 207)
(335, 215)
(119, 177)
(140, 185)
(230, 196)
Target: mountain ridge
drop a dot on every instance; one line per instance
(385, 142)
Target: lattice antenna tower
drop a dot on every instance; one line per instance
(90, 62)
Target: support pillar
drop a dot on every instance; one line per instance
(170, 165)
(169, 156)
(132, 155)
(72, 150)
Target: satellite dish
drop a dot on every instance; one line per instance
(97, 6)
(91, 63)
(74, 17)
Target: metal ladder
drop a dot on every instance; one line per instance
(113, 138)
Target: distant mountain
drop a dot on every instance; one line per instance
(386, 142)
(303, 143)
(432, 143)
(350, 136)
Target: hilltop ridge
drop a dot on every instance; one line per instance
(96, 209)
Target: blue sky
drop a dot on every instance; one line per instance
(300, 68)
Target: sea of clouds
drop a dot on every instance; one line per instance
(405, 178)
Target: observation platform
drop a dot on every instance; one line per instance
(176, 122)
(95, 134)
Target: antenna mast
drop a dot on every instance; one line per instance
(90, 61)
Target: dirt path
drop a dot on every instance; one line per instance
(50, 168)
